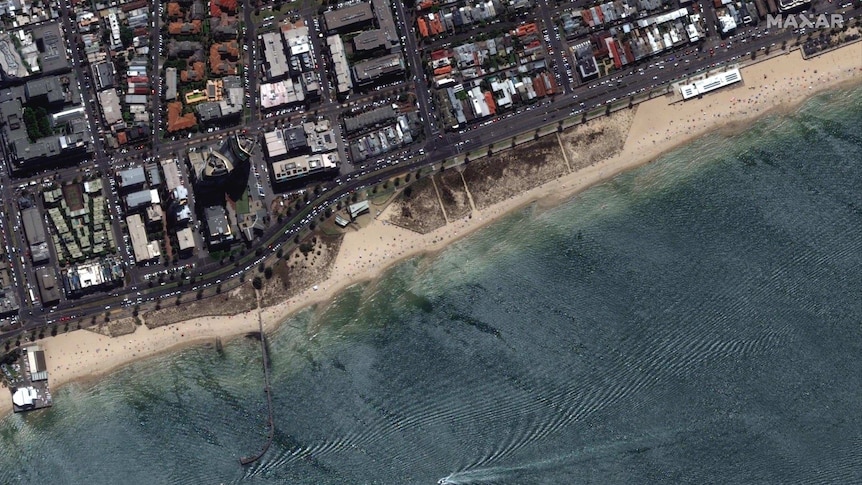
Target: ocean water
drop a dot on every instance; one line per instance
(698, 320)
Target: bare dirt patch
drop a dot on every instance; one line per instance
(238, 300)
(115, 328)
(598, 139)
(504, 175)
(302, 268)
(417, 208)
(453, 194)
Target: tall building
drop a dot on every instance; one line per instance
(213, 167)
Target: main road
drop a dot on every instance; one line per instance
(423, 94)
(102, 160)
(156, 73)
(251, 66)
(555, 43)
(12, 239)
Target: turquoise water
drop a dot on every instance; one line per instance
(698, 320)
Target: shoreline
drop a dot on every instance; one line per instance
(776, 85)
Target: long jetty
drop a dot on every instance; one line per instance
(263, 348)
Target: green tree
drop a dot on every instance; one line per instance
(31, 124)
(44, 123)
(126, 35)
(37, 123)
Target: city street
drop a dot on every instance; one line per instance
(578, 98)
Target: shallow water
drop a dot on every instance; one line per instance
(697, 320)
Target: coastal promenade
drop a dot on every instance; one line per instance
(587, 102)
(778, 83)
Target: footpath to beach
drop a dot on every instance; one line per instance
(779, 83)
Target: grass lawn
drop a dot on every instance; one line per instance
(243, 203)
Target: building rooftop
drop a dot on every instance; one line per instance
(170, 84)
(46, 280)
(155, 213)
(172, 174)
(110, 103)
(45, 88)
(281, 93)
(92, 275)
(367, 71)
(186, 239)
(8, 302)
(219, 229)
(214, 166)
(210, 165)
(294, 138)
(304, 165)
(104, 73)
(274, 144)
(183, 213)
(352, 16)
(180, 194)
(93, 186)
(369, 118)
(279, 143)
(54, 148)
(358, 208)
(153, 175)
(384, 19)
(143, 249)
(310, 83)
(370, 40)
(139, 199)
(274, 55)
(321, 137)
(208, 111)
(132, 177)
(34, 228)
(183, 48)
(343, 79)
(52, 49)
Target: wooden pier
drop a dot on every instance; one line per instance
(246, 460)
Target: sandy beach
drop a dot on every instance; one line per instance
(775, 84)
